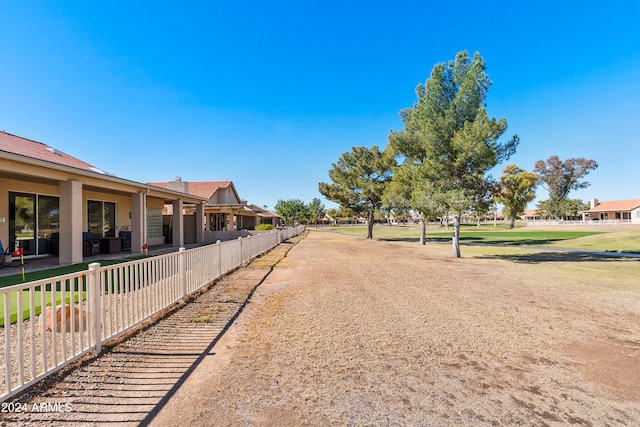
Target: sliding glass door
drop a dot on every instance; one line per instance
(32, 220)
(48, 222)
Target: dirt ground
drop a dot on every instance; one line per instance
(346, 331)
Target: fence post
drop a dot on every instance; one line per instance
(94, 287)
(241, 259)
(219, 257)
(182, 266)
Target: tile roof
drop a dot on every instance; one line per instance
(263, 212)
(37, 150)
(616, 205)
(198, 188)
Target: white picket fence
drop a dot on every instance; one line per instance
(595, 223)
(82, 310)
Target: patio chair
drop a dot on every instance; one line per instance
(4, 253)
(90, 245)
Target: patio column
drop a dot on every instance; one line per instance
(230, 218)
(4, 214)
(71, 214)
(138, 234)
(200, 223)
(178, 224)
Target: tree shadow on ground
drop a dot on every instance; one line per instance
(415, 239)
(481, 240)
(541, 257)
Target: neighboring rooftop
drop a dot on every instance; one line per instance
(37, 150)
(198, 188)
(263, 212)
(614, 205)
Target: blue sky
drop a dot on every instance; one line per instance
(270, 94)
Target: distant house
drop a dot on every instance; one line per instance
(265, 216)
(52, 203)
(530, 215)
(224, 209)
(614, 210)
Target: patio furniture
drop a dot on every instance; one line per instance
(90, 245)
(4, 253)
(110, 245)
(126, 240)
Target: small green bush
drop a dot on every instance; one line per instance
(265, 227)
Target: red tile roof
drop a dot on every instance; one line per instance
(37, 150)
(616, 205)
(263, 212)
(198, 188)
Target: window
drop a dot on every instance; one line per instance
(101, 218)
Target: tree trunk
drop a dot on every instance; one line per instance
(423, 231)
(372, 213)
(456, 236)
(513, 223)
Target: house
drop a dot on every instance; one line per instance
(265, 216)
(224, 209)
(530, 215)
(53, 203)
(614, 210)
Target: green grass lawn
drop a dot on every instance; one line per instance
(614, 239)
(38, 275)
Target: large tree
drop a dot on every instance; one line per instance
(560, 178)
(292, 211)
(517, 188)
(449, 134)
(359, 178)
(567, 208)
(411, 190)
(316, 211)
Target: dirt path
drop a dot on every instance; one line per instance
(352, 332)
(129, 383)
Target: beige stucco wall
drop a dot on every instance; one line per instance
(224, 196)
(635, 216)
(153, 202)
(32, 188)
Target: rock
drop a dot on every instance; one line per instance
(59, 311)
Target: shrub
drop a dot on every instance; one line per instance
(265, 227)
